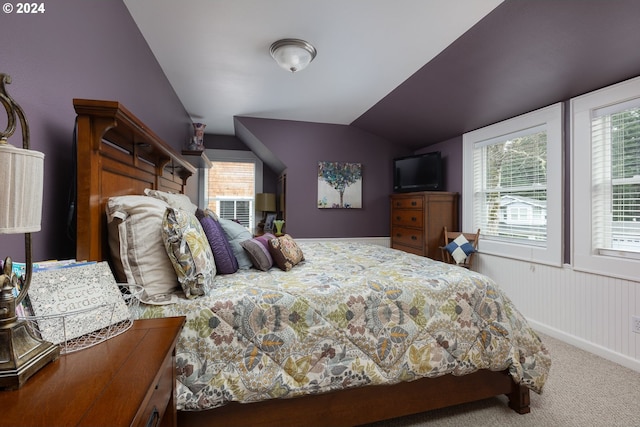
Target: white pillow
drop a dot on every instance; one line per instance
(175, 200)
(137, 247)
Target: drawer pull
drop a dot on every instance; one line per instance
(414, 219)
(153, 418)
(414, 203)
(414, 238)
(398, 235)
(398, 218)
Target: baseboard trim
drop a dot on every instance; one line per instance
(582, 344)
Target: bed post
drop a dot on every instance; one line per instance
(519, 399)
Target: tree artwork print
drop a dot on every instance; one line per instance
(339, 185)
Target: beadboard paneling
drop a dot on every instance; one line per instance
(590, 311)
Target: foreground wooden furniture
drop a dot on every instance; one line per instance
(348, 407)
(366, 404)
(417, 220)
(128, 380)
(450, 236)
(117, 155)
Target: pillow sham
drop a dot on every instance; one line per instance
(175, 200)
(189, 252)
(460, 249)
(258, 250)
(134, 225)
(225, 260)
(235, 234)
(285, 252)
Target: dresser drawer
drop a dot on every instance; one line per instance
(407, 236)
(161, 396)
(410, 249)
(407, 203)
(408, 218)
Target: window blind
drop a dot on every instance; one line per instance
(615, 145)
(510, 186)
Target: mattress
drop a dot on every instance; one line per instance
(349, 315)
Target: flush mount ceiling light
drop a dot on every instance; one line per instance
(292, 54)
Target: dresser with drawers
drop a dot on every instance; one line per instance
(418, 219)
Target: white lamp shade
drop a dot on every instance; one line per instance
(21, 189)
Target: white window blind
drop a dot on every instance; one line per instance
(510, 186)
(239, 210)
(605, 180)
(615, 144)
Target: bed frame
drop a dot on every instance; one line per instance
(117, 155)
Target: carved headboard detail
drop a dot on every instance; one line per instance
(117, 155)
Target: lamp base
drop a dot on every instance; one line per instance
(22, 355)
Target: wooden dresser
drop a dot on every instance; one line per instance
(418, 219)
(128, 380)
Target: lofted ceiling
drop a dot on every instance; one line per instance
(415, 72)
(215, 53)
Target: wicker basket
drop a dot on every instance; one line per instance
(130, 294)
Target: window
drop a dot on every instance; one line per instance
(512, 186)
(231, 187)
(606, 180)
(231, 184)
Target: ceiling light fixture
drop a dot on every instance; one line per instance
(293, 54)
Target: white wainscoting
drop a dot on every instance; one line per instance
(589, 311)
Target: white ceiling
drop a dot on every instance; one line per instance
(215, 53)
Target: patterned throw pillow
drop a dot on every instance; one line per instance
(258, 250)
(226, 262)
(460, 249)
(189, 252)
(285, 252)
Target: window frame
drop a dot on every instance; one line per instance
(612, 263)
(550, 119)
(220, 155)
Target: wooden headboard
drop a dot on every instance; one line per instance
(116, 155)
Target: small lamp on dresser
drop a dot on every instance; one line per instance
(21, 189)
(265, 203)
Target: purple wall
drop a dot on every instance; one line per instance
(300, 146)
(451, 151)
(78, 49)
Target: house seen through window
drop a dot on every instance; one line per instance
(510, 197)
(615, 134)
(231, 189)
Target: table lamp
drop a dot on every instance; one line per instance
(21, 187)
(265, 202)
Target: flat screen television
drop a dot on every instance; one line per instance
(422, 172)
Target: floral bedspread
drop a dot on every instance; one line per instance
(349, 315)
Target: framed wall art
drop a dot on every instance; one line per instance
(339, 185)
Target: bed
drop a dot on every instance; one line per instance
(347, 335)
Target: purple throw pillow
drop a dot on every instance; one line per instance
(226, 262)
